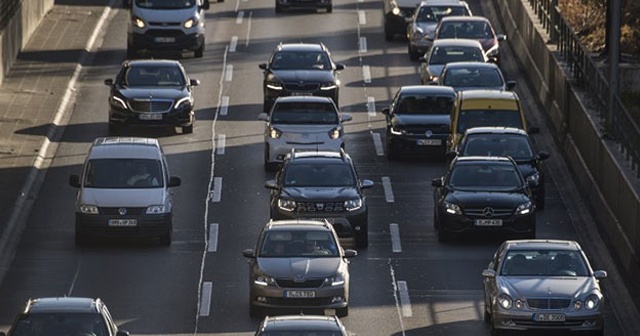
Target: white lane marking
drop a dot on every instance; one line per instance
(396, 246)
(388, 192)
(233, 44)
(221, 143)
(205, 299)
(371, 106)
(362, 17)
(377, 143)
(224, 105)
(228, 73)
(362, 45)
(405, 302)
(366, 73)
(75, 278)
(213, 237)
(394, 284)
(240, 16)
(246, 43)
(237, 6)
(216, 193)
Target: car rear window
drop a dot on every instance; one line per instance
(123, 173)
(304, 113)
(479, 118)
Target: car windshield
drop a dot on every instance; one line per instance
(544, 263)
(515, 146)
(304, 113)
(151, 75)
(300, 60)
(485, 176)
(476, 30)
(473, 77)
(46, 324)
(447, 54)
(165, 4)
(302, 332)
(423, 104)
(318, 175)
(303, 243)
(435, 13)
(123, 173)
(498, 118)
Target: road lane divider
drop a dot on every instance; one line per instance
(377, 143)
(371, 106)
(240, 17)
(213, 237)
(233, 44)
(396, 246)
(362, 44)
(205, 299)
(224, 105)
(405, 302)
(388, 191)
(216, 193)
(362, 17)
(246, 41)
(228, 73)
(366, 73)
(221, 144)
(399, 308)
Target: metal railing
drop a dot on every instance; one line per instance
(587, 74)
(8, 9)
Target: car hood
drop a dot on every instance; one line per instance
(299, 267)
(476, 199)
(321, 193)
(165, 15)
(487, 43)
(527, 168)
(420, 119)
(529, 287)
(123, 197)
(426, 26)
(305, 76)
(435, 69)
(167, 92)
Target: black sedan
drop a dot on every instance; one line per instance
(300, 69)
(418, 120)
(483, 194)
(151, 93)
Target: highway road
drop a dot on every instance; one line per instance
(405, 283)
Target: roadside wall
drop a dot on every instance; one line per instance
(18, 31)
(610, 190)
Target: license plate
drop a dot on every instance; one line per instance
(123, 222)
(429, 142)
(151, 116)
(164, 39)
(300, 294)
(300, 94)
(488, 222)
(549, 317)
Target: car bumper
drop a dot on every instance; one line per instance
(173, 40)
(271, 95)
(181, 117)
(351, 224)
(419, 144)
(274, 297)
(522, 224)
(277, 150)
(147, 226)
(575, 321)
(421, 46)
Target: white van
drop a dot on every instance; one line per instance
(124, 191)
(166, 25)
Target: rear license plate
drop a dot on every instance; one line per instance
(164, 39)
(123, 222)
(300, 294)
(549, 317)
(429, 142)
(488, 222)
(151, 116)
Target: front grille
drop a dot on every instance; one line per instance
(549, 303)
(164, 24)
(422, 129)
(317, 302)
(148, 105)
(289, 283)
(320, 207)
(480, 212)
(116, 211)
(301, 87)
(165, 32)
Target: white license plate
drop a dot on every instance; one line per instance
(151, 116)
(300, 294)
(488, 222)
(123, 222)
(164, 39)
(429, 142)
(549, 317)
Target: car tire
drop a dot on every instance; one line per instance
(268, 166)
(330, 10)
(255, 311)
(487, 315)
(187, 129)
(392, 153)
(132, 52)
(198, 53)
(342, 312)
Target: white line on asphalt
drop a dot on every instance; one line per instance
(233, 44)
(388, 192)
(377, 143)
(396, 246)
(362, 17)
(237, 6)
(362, 45)
(73, 282)
(405, 303)
(213, 237)
(246, 43)
(228, 73)
(394, 284)
(205, 299)
(216, 194)
(240, 16)
(366, 73)
(371, 106)
(221, 143)
(224, 105)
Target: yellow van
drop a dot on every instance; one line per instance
(476, 108)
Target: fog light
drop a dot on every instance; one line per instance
(357, 228)
(261, 299)
(508, 323)
(336, 299)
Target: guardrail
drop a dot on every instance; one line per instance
(624, 130)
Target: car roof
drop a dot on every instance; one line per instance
(486, 159)
(298, 224)
(63, 305)
(301, 322)
(455, 65)
(301, 47)
(456, 42)
(488, 94)
(428, 89)
(154, 62)
(443, 2)
(459, 18)
(125, 148)
(302, 154)
(542, 244)
(495, 130)
(308, 99)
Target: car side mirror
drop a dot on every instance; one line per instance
(262, 66)
(534, 130)
(366, 184)
(271, 184)
(386, 111)
(511, 85)
(174, 181)
(122, 333)
(451, 155)
(74, 181)
(436, 182)
(422, 59)
(346, 117)
(194, 82)
(489, 273)
(205, 5)
(340, 67)
(348, 253)
(108, 82)
(248, 253)
(501, 37)
(543, 155)
(263, 116)
(600, 274)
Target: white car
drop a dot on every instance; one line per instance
(304, 123)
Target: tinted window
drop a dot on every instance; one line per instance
(302, 333)
(435, 13)
(318, 175)
(288, 60)
(516, 146)
(140, 75)
(544, 263)
(476, 30)
(485, 176)
(447, 54)
(478, 118)
(123, 173)
(304, 113)
(473, 77)
(165, 4)
(285, 244)
(46, 324)
(421, 104)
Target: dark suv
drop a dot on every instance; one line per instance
(317, 185)
(300, 69)
(65, 316)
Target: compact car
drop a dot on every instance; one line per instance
(543, 285)
(446, 51)
(397, 15)
(472, 27)
(474, 76)
(301, 325)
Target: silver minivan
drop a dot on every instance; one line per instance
(124, 191)
(166, 25)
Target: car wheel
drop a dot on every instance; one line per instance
(392, 153)
(187, 129)
(330, 9)
(165, 238)
(268, 166)
(255, 311)
(199, 52)
(342, 312)
(131, 52)
(487, 315)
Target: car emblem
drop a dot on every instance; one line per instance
(122, 211)
(320, 206)
(299, 278)
(487, 212)
(549, 292)
(301, 82)
(428, 133)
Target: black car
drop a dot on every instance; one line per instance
(507, 141)
(397, 16)
(300, 69)
(151, 93)
(418, 120)
(481, 194)
(301, 325)
(281, 5)
(320, 185)
(65, 316)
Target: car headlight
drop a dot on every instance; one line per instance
(395, 11)
(451, 208)
(353, 204)
(328, 86)
(418, 34)
(519, 304)
(493, 51)
(88, 209)
(158, 209)
(264, 280)
(396, 131)
(192, 22)
(274, 133)
(592, 302)
(534, 179)
(117, 102)
(336, 280)
(505, 301)
(433, 78)
(286, 205)
(524, 208)
(274, 86)
(182, 101)
(335, 133)
(138, 22)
